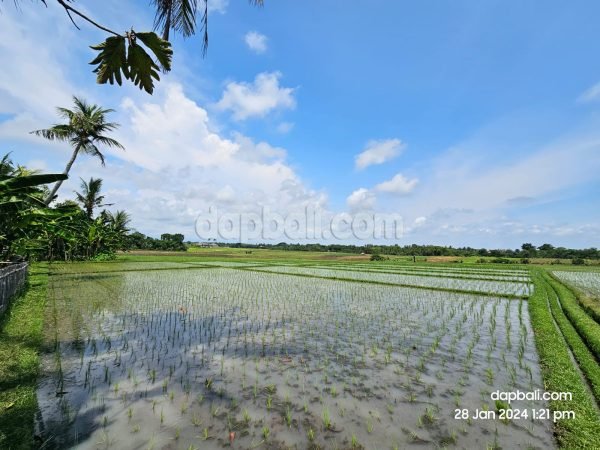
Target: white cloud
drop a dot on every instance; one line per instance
(378, 152)
(219, 6)
(590, 95)
(256, 42)
(176, 166)
(35, 81)
(257, 99)
(420, 221)
(361, 199)
(285, 127)
(398, 185)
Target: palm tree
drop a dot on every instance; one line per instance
(90, 197)
(118, 221)
(180, 15)
(85, 128)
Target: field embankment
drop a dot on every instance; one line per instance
(21, 336)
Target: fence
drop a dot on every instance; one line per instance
(12, 280)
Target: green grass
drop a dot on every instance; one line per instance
(585, 325)
(21, 336)
(585, 359)
(560, 375)
(589, 303)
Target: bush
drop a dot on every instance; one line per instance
(501, 261)
(578, 261)
(105, 257)
(524, 260)
(377, 257)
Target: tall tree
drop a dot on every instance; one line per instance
(85, 128)
(90, 197)
(118, 222)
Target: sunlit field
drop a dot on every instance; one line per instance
(211, 355)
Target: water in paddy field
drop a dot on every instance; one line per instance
(217, 357)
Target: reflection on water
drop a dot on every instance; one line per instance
(220, 357)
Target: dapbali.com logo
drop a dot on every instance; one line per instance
(310, 224)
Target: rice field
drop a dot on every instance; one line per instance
(497, 286)
(284, 357)
(588, 282)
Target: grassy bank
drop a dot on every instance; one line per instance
(561, 375)
(21, 336)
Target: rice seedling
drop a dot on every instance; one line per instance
(367, 341)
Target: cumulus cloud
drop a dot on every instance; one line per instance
(256, 42)
(361, 199)
(176, 166)
(378, 152)
(257, 99)
(399, 185)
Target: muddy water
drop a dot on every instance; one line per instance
(216, 358)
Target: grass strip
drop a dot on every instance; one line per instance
(21, 337)
(585, 359)
(587, 327)
(590, 304)
(384, 283)
(560, 375)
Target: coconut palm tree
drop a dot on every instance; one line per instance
(118, 222)
(85, 128)
(181, 16)
(90, 197)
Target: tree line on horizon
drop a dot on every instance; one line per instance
(527, 250)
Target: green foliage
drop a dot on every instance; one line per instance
(86, 128)
(587, 327)
(23, 214)
(90, 197)
(111, 60)
(30, 228)
(21, 338)
(105, 256)
(116, 60)
(585, 359)
(561, 376)
(167, 242)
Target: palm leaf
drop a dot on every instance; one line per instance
(29, 181)
(111, 61)
(142, 69)
(160, 47)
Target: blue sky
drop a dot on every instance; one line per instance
(478, 122)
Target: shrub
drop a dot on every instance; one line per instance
(501, 261)
(578, 261)
(106, 256)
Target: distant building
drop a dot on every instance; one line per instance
(206, 244)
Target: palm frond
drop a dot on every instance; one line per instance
(55, 133)
(92, 150)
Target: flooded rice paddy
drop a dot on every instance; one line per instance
(210, 358)
(588, 282)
